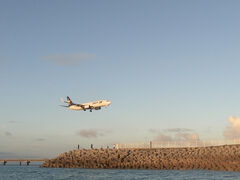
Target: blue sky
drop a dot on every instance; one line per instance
(165, 65)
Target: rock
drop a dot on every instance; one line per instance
(225, 157)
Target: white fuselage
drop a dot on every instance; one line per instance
(90, 105)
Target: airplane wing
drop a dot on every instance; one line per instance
(81, 105)
(85, 107)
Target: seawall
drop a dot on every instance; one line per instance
(209, 158)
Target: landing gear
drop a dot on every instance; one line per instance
(91, 107)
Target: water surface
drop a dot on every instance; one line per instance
(12, 172)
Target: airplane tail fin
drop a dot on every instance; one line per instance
(69, 101)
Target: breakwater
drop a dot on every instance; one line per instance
(209, 158)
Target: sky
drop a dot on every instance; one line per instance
(170, 68)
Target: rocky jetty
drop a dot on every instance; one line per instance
(210, 158)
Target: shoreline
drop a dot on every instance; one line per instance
(224, 158)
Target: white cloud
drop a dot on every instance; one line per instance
(175, 134)
(162, 138)
(92, 133)
(232, 131)
(178, 130)
(69, 59)
(190, 137)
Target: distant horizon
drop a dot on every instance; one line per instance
(170, 69)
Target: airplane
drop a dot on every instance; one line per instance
(97, 105)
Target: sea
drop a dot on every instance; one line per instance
(34, 172)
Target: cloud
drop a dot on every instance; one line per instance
(153, 130)
(92, 133)
(178, 130)
(175, 134)
(40, 139)
(232, 131)
(190, 137)
(8, 133)
(172, 130)
(69, 59)
(12, 121)
(162, 138)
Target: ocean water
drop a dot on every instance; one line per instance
(12, 172)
